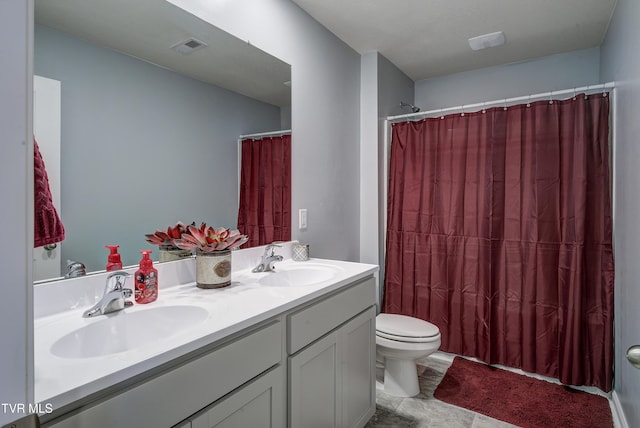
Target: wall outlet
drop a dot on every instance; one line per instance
(302, 218)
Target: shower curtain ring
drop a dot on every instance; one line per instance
(505, 104)
(529, 101)
(484, 109)
(441, 115)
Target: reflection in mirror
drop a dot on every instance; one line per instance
(264, 214)
(148, 134)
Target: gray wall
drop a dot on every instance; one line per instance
(16, 309)
(393, 86)
(621, 63)
(142, 147)
(325, 115)
(551, 73)
(382, 88)
(369, 156)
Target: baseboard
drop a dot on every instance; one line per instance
(619, 420)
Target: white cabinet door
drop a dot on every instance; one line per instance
(314, 385)
(332, 382)
(260, 404)
(358, 355)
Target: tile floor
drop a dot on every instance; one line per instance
(424, 411)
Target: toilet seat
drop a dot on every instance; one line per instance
(403, 328)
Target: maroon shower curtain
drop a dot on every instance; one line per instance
(264, 213)
(499, 232)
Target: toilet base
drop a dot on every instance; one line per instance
(401, 377)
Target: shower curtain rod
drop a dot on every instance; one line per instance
(468, 108)
(266, 134)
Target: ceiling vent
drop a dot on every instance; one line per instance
(487, 41)
(188, 46)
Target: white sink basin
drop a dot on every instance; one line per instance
(123, 331)
(300, 274)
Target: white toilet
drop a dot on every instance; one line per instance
(400, 340)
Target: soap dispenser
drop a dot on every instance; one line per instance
(146, 277)
(113, 260)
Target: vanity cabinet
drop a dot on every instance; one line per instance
(332, 369)
(312, 365)
(331, 383)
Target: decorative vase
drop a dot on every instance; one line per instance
(213, 270)
(173, 253)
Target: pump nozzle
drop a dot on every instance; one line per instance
(146, 260)
(113, 260)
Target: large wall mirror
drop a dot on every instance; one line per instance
(152, 102)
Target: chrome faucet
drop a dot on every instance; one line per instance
(268, 259)
(114, 296)
(75, 269)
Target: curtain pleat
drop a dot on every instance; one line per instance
(499, 232)
(264, 212)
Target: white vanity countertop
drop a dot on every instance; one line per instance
(246, 302)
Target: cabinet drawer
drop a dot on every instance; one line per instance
(171, 397)
(320, 317)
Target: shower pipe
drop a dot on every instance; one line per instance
(255, 137)
(468, 108)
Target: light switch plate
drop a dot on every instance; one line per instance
(302, 218)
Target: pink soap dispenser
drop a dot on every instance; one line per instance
(113, 260)
(146, 277)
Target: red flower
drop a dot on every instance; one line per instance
(209, 239)
(166, 239)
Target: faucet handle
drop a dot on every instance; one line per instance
(127, 293)
(271, 247)
(116, 280)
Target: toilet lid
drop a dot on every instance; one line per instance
(402, 326)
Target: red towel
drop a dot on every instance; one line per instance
(48, 226)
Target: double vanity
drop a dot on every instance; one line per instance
(289, 348)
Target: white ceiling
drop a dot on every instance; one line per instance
(424, 38)
(147, 29)
(427, 38)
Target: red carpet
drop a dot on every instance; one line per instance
(519, 399)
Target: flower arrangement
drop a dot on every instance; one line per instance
(165, 240)
(209, 239)
(204, 238)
